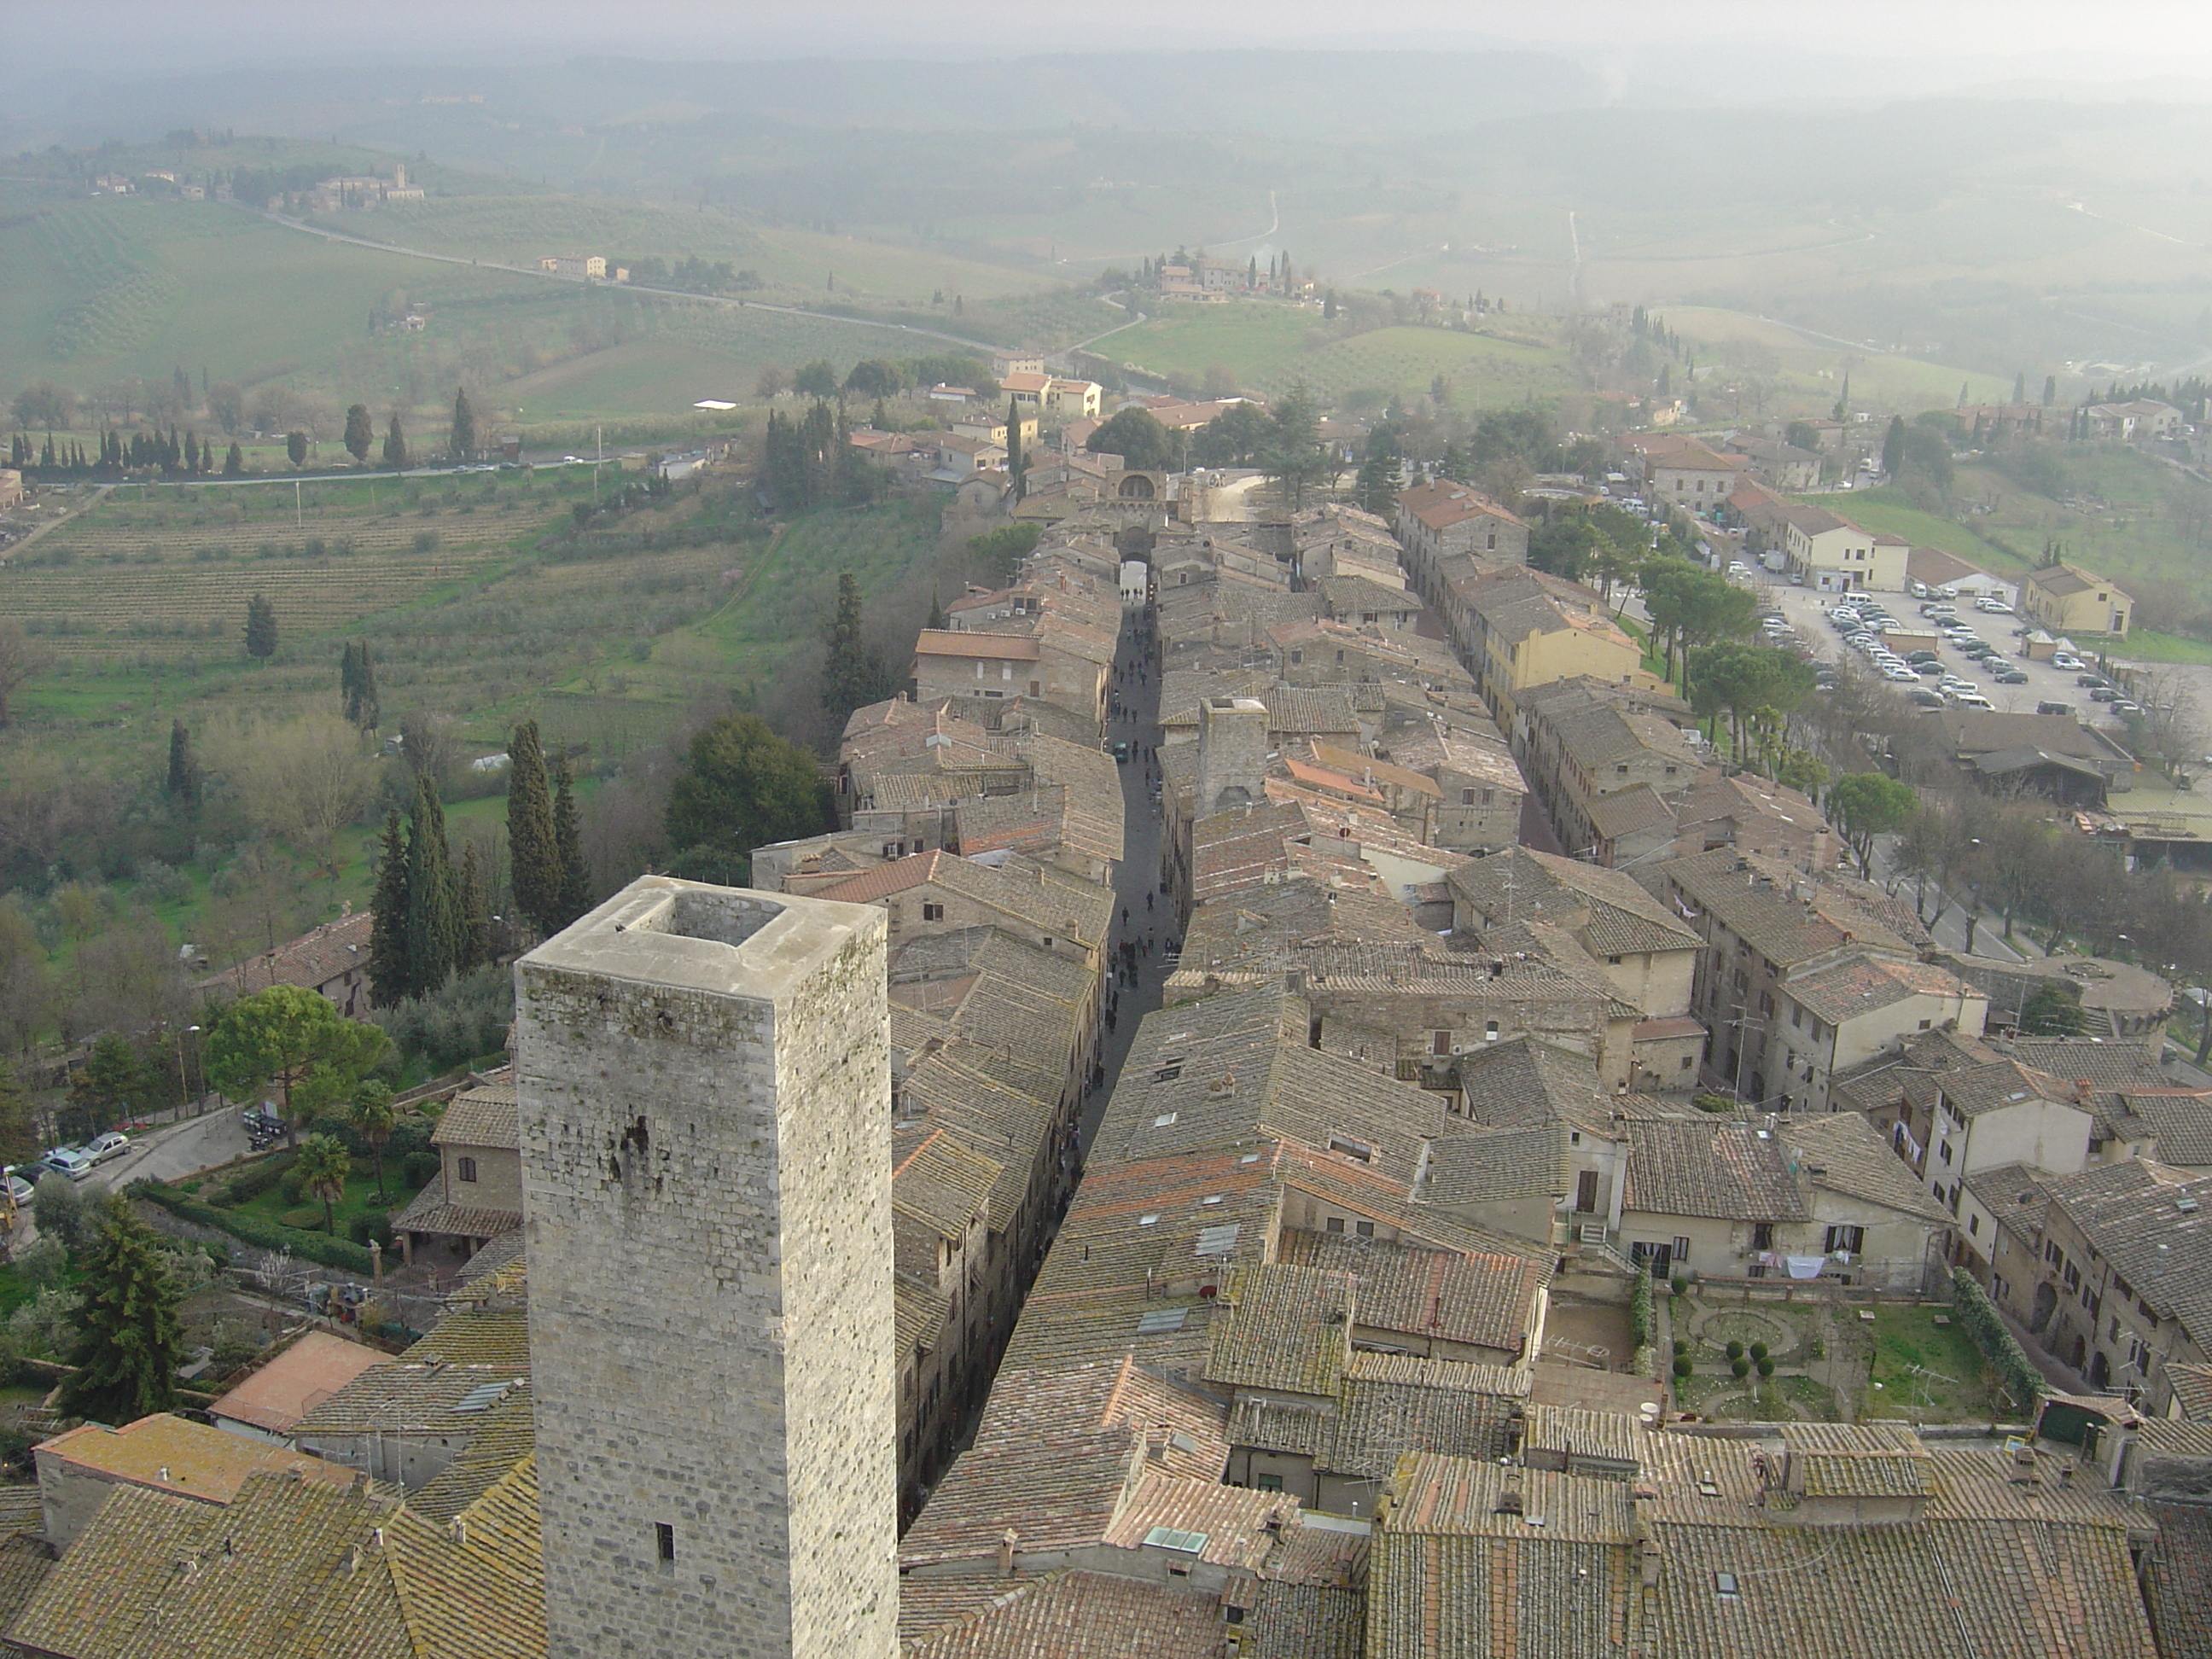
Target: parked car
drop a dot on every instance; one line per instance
(1923, 698)
(2010, 676)
(2095, 681)
(1939, 610)
(69, 1161)
(1120, 749)
(1972, 700)
(1993, 607)
(2047, 706)
(2102, 694)
(2126, 706)
(1923, 654)
(2066, 661)
(19, 1188)
(113, 1144)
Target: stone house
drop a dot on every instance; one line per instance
(331, 960)
(1522, 628)
(1833, 555)
(476, 1195)
(189, 1462)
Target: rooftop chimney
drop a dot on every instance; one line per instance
(1509, 1500)
(1006, 1541)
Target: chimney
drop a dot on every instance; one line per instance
(1509, 1500)
(2081, 1091)
(457, 1530)
(1006, 1541)
(2022, 1473)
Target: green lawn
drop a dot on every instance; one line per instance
(1889, 513)
(359, 1195)
(1925, 1371)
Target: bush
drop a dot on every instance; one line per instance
(1734, 1349)
(1681, 1365)
(253, 1229)
(1681, 1347)
(293, 1190)
(371, 1224)
(1679, 1285)
(1766, 1367)
(426, 541)
(1758, 1350)
(468, 1017)
(1642, 1324)
(1738, 1369)
(307, 1217)
(257, 1178)
(2018, 1377)
(58, 1207)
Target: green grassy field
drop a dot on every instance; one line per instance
(1809, 364)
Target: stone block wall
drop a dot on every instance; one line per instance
(704, 1086)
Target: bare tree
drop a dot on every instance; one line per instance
(21, 657)
(301, 779)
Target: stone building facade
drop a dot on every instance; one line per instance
(703, 1080)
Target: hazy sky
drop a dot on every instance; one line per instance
(2094, 37)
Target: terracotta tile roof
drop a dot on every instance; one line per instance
(296, 1570)
(1584, 1436)
(1840, 1460)
(1489, 1301)
(502, 1440)
(1605, 909)
(1788, 916)
(167, 1454)
(430, 1213)
(941, 642)
(1394, 1402)
(1861, 984)
(1308, 1621)
(2153, 1224)
(1064, 1615)
(480, 1117)
(2177, 1580)
(1284, 1327)
(1722, 1170)
(279, 1392)
(1441, 504)
(1057, 904)
(1525, 1083)
(1500, 1165)
(312, 960)
(1845, 1153)
(940, 1183)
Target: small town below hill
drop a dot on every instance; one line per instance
(1039, 1002)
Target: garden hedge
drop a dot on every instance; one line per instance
(253, 1229)
(1642, 1326)
(2016, 1374)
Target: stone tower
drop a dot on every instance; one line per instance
(1232, 753)
(705, 1093)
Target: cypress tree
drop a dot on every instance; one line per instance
(395, 444)
(465, 426)
(349, 677)
(234, 463)
(360, 433)
(389, 982)
(184, 779)
(476, 914)
(575, 895)
(357, 685)
(852, 675)
(434, 921)
(531, 845)
(1015, 465)
(260, 627)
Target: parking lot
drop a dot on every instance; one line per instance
(1806, 610)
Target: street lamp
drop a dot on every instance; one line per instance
(184, 1078)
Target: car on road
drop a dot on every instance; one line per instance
(2010, 676)
(1121, 749)
(113, 1144)
(69, 1161)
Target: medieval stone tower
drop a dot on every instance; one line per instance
(704, 1084)
(1232, 754)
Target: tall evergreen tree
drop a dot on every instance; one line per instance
(853, 674)
(184, 779)
(357, 685)
(234, 463)
(395, 444)
(568, 846)
(463, 444)
(476, 913)
(260, 627)
(433, 922)
(1016, 464)
(389, 980)
(360, 433)
(1893, 446)
(533, 848)
(129, 1339)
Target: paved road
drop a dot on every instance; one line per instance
(176, 1150)
(1138, 879)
